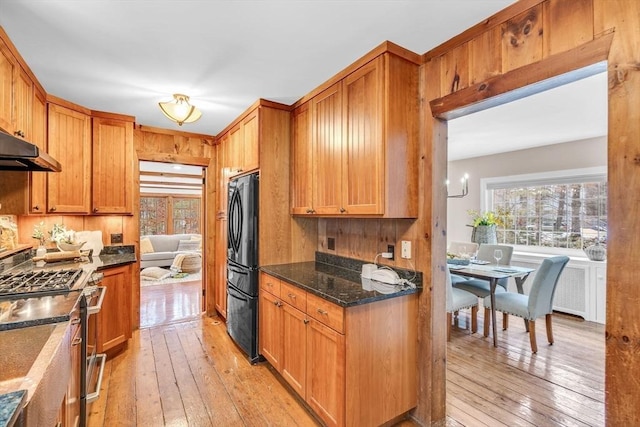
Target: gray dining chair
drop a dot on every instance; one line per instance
(481, 287)
(538, 303)
(461, 249)
(457, 300)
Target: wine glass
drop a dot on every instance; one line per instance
(497, 254)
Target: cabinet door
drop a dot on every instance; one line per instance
(294, 354)
(7, 73)
(23, 98)
(114, 319)
(38, 187)
(363, 94)
(327, 133)
(112, 183)
(251, 135)
(70, 144)
(270, 329)
(220, 267)
(235, 153)
(302, 161)
(326, 373)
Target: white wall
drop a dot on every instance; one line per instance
(569, 155)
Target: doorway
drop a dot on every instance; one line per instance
(567, 146)
(172, 201)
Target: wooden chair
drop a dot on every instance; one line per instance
(538, 303)
(457, 300)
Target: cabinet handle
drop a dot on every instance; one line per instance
(53, 209)
(36, 208)
(305, 321)
(310, 211)
(76, 341)
(342, 210)
(292, 296)
(321, 311)
(19, 133)
(95, 209)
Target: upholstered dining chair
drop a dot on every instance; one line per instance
(538, 303)
(461, 248)
(457, 300)
(481, 287)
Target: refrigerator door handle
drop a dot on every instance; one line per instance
(235, 220)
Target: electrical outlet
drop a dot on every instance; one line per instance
(391, 250)
(331, 244)
(116, 238)
(406, 249)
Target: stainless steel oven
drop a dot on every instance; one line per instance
(93, 366)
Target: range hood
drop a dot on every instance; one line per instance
(19, 155)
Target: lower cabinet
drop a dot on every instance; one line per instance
(114, 319)
(326, 352)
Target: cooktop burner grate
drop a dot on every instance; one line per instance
(37, 283)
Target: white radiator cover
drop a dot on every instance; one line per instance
(582, 287)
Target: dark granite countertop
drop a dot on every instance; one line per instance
(336, 284)
(10, 407)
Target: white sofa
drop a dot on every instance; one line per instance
(164, 248)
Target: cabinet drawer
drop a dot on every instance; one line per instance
(293, 296)
(270, 284)
(325, 312)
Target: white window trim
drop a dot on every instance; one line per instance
(486, 200)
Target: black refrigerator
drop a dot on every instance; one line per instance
(242, 264)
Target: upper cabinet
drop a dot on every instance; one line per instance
(243, 147)
(8, 67)
(69, 135)
(362, 143)
(112, 175)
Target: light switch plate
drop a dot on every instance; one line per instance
(406, 249)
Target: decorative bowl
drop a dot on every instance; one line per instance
(70, 246)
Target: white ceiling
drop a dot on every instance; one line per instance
(126, 56)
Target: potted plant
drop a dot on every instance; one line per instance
(484, 226)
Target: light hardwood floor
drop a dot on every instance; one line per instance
(166, 303)
(191, 374)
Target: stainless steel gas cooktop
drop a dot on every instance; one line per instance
(37, 283)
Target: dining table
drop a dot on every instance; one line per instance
(492, 273)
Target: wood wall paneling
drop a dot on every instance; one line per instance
(485, 56)
(566, 25)
(522, 39)
(455, 69)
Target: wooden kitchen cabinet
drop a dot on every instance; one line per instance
(363, 144)
(243, 146)
(114, 319)
(69, 138)
(341, 361)
(112, 158)
(8, 68)
(302, 160)
(38, 182)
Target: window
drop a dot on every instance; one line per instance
(566, 210)
(160, 214)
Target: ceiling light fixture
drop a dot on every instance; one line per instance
(179, 110)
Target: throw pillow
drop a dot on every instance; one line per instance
(188, 245)
(198, 239)
(146, 246)
(154, 273)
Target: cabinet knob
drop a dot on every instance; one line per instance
(95, 209)
(36, 208)
(19, 133)
(309, 211)
(321, 311)
(292, 296)
(305, 321)
(342, 210)
(52, 209)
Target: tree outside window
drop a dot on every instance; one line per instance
(160, 214)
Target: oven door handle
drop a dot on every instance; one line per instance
(96, 394)
(96, 308)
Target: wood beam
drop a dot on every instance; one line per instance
(522, 81)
